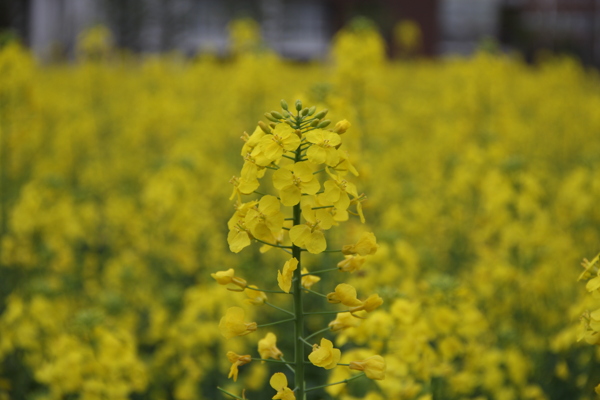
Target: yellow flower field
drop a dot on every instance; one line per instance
(482, 176)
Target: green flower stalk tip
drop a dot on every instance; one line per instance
(298, 105)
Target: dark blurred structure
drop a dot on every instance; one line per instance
(302, 29)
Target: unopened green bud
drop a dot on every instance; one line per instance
(324, 123)
(286, 113)
(312, 110)
(314, 123)
(298, 105)
(265, 128)
(276, 115)
(270, 117)
(272, 125)
(304, 112)
(321, 114)
(284, 104)
(291, 122)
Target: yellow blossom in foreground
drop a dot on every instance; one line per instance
(265, 220)
(284, 277)
(255, 297)
(309, 280)
(279, 382)
(373, 367)
(324, 146)
(236, 361)
(227, 277)
(309, 236)
(351, 263)
(291, 181)
(232, 324)
(343, 321)
(366, 245)
(325, 355)
(282, 139)
(267, 347)
(345, 294)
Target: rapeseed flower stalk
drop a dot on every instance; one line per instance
(299, 150)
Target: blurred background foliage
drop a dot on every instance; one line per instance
(482, 174)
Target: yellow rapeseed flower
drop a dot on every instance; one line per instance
(351, 263)
(282, 139)
(284, 277)
(294, 180)
(325, 355)
(310, 236)
(373, 367)
(343, 321)
(227, 277)
(345, 294)
(236, 360)
(324, 148)
(255, 297)
(232, 324)
(372, 303)
(366, 245)
(309, 280)
(267, 347)
(265, 220)
(279, 382)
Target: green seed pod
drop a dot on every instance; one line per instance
(321, 114)
(314, 123)
(265, 128)
(312, 110)
(270, 117)
(324, 123)
(304, 112)
(284, 104)
(298, 105)
(276, 115)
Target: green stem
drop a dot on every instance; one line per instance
(326, 312)
(273, 245)
(299, 380)
(320, 271)
(316, 333)
(317, 293)
(271, 360)
(318, 208)
(326, 251)
(278, 308)
(336, 383)
(275, 323)
(291, 158)
(288, 365)
(266, 291)
(317, 171)
(230, 394)
(305, 342)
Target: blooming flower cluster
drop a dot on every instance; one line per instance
(297, 148)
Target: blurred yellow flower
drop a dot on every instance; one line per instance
(232, 324)
(366, 245)
(267, 347)
(372, 303)
(351, 263)
(373, 367)
(341, 126)
(343, 321)
(227, 277)
(255, 297)
(309, 280)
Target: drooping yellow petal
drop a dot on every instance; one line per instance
(325, 355)
(284, 277)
